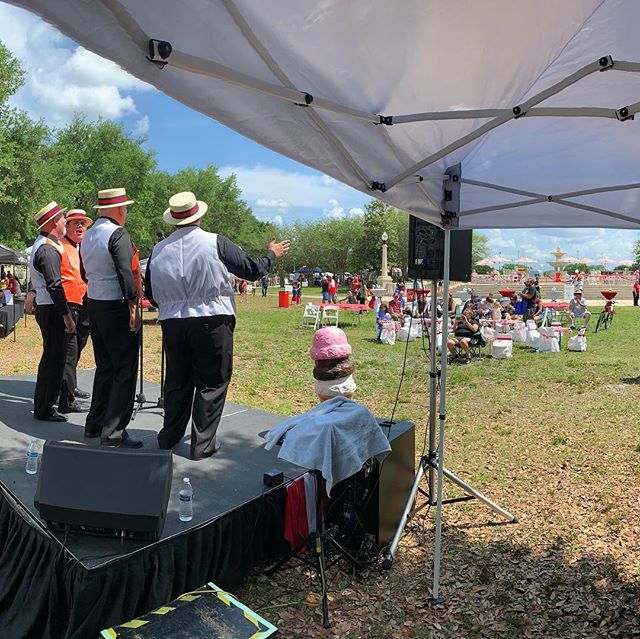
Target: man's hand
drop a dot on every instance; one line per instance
(69, 324)
(279, 248)
(134, 317)
(30, 303)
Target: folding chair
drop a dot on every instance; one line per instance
(329, 315)
(310, 317)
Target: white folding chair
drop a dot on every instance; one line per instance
(310, 317)
(330, 315)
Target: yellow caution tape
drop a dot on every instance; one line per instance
(134, 623)
(109, 633)
(188, 597)
(162, 610)
(251, 617)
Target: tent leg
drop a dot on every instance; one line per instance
(435, 460)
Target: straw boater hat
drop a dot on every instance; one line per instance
(47, 213)
(79, 214)
(184, 209)
(108, 198)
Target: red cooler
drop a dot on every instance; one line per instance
(558, 276)
(283, 299)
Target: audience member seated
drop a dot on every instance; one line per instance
(352, 298)
(422, 306)
(465, 327)
(578, 309)
(496, 311)
(509, 310)
(538, 311)
(383, 315)
(395, 307)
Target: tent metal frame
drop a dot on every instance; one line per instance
(288, 92)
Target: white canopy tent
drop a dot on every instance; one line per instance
(526, 107)
(535, 100)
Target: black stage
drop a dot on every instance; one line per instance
(49, 590)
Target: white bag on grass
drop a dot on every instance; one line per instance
(488, 333)
(548, 341)
(578, 343)
(408, 335)
(533, 338)
(502, 347)
(519, 332)
(388, 333)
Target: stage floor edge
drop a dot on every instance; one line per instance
(237, 524)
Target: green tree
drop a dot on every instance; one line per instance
(21, 163)
(636, 252)
(479, 247)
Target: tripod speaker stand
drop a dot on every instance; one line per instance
(432, 464)
(141, 402)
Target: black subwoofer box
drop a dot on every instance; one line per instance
(371, 502)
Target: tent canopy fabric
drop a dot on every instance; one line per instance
(534, 100)
(9, 256)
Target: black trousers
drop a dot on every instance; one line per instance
(635, 298)
(51, 365)
(115, 349)
(199, 359)
(75, 342)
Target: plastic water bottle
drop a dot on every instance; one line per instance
(32, 458)
(186, 501)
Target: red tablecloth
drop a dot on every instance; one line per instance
(556, 306)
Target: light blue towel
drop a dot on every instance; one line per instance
(336, 437)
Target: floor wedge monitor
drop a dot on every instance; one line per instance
(104, 491)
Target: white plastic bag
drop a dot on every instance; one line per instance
(407, 335)
(578, 343)
(502, 347)
(533, 338)
(548, 341)
(519, 332)
(488, 333)
(388, 333)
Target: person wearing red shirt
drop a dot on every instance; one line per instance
(636, 292)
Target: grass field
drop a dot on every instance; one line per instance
(553, 438)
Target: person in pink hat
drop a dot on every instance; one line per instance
(333, 370)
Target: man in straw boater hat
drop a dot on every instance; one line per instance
(107, 257)
(52, 310)
(75, 289)
(188, 278)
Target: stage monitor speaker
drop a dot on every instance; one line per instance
(104, 491)
(371, 502)
(426, 252)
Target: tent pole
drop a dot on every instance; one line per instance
(433, 389)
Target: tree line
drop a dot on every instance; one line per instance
(70, 164)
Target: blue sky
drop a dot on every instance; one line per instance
(64, 79)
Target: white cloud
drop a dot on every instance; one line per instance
(141, 126)
(62, 78)
(334, 211)
(277, 220)
(356, 212)
(260, 183)
(272, 204)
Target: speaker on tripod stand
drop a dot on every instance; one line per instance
(426, 252)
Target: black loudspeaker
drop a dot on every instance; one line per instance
(369, 505)
(426, 252)
(104, 491)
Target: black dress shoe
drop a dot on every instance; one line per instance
(216, 447)
(74, 407)
(81, 394)
(53, 416)
(124, 441)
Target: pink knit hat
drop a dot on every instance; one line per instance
(330, 343)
